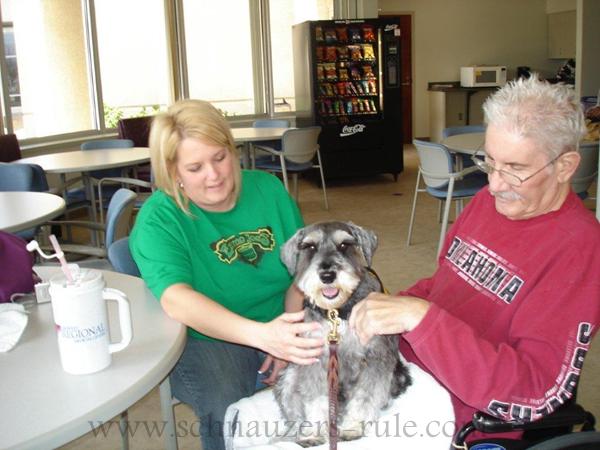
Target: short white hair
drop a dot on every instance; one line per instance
(549, 114)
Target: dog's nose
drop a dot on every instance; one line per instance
(327, 276)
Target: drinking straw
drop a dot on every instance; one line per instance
(61, 257)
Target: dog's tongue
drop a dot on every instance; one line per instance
(330, 292)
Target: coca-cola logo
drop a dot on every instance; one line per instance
(390, 27)
(349, 130)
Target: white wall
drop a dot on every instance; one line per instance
(587, 72)
(448, 34)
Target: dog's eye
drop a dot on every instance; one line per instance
(344, 246)
(308, 246)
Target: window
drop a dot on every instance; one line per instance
(65, 61)
(132, 52)
(48, 78)
(219, 55)
(284, 14)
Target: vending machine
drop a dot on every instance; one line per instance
(347, 80)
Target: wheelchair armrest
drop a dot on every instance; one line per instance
(568, 415)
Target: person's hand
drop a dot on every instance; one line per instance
(275, 366)
(284, 338)
(380, 314)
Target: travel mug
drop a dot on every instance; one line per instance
(81, 318)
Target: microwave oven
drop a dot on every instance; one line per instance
(482, 76)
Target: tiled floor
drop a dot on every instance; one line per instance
(378, 203)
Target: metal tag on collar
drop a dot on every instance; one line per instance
(334, 323)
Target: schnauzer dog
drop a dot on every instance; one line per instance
(330, 262)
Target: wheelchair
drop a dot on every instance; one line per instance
(552, 432)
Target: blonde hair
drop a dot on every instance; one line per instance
(196, 119)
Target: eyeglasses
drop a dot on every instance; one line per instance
(510, 178)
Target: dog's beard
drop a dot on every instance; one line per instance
(328, 295)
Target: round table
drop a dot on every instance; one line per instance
(45, 407)
(468, 143)
(23, 210)
(86, 160)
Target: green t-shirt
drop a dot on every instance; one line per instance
(231, 257)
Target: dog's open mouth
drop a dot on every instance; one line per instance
(330, 292)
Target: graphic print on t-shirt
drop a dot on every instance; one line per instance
(246, 246)
(484, 269)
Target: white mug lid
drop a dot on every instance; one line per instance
(83, 278)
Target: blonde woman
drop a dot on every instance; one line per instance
(207, 244)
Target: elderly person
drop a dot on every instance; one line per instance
(506, 320)
(207, 245)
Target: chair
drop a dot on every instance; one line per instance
(271, 123)
(118, 222)
(442, 182)
(463, 129)
(9, 148)
(298, 149)
(552, 432)
(23, 177)
(105, 144)
(135, 128)
(587, 171)
(138, 130)
(120, 258)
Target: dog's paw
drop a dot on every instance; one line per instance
(351, 434)
(312, 441)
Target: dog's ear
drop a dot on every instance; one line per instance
(367, 240)
(289, 251)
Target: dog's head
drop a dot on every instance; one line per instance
(328, 260)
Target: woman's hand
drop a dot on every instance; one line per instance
(380, 314)
(283, 338)
(275, 366)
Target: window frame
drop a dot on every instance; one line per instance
(262, 72)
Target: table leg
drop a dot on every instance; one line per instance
(246, 155)
(166, 406)
(91, 194)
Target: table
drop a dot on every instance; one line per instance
(45, 407)
(23, 210)
(86, 160)
(83, 161)
(467, 143)
(247, 135)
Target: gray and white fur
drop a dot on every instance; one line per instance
(329, 261)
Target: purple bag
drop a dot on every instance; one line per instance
(16, 267)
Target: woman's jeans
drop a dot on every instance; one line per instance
(210, 376)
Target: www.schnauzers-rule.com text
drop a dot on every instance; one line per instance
(276, 429)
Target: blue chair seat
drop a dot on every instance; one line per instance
(467, 187)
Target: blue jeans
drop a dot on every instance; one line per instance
(209, 377)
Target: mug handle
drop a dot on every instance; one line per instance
(124, 318)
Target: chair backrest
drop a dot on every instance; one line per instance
(107, 143)
(271, 123)
(10, 150)
(135, 128)
(435, 162)
(587, 171)
(299, 145)
(118, 216)
(16, 177)
(465, 129)
(120, 258)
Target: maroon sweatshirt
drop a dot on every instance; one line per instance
(514, 307)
